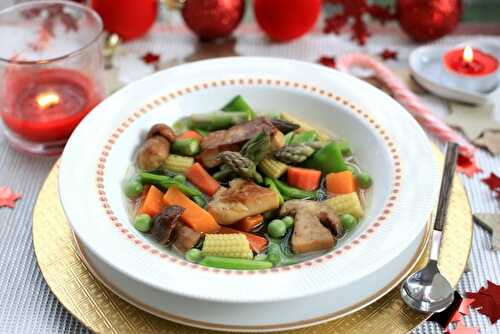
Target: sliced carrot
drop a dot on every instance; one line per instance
(200, 178)
(190, 134)
(194, 216)
(303, 178)
(341, 183)
(152, 203)
(249, 223)
(257, 243)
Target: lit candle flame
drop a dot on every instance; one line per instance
(468, 55)
(47, 100)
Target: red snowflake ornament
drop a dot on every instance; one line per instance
(487, 301)
(387, 54)
(328, 61)
(467, 165)
(151, 58)
(493, 182)
(353, 12)
(8, 198)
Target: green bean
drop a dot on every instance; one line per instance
(188, 147)
(180, 178)
(291, 192)
(200, 200)
(166, 182)
(270, 183)
(232, 263)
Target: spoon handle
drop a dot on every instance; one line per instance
(446, 182)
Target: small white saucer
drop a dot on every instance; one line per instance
(428, 70)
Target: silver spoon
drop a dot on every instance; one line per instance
(427, 290)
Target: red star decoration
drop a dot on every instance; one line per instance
(8, 198)
(487, 301)
(467, 165)
(461, 329)
(356, 9)
(493, 182)
(387, 54)
(462, 310)
(151, 58)
(328, 61)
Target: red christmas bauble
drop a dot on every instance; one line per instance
(210, 19)
(128, 18)
(284, 20)
(426, 20)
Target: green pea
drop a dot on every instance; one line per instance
(193, 255)
(364, 180)
(276, 228)
(274, 254)
(288, 221)
(180, 178)
(260, 257)
(133, 188)
(348, 221)
(143, 223)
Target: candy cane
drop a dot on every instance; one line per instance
(409, 100)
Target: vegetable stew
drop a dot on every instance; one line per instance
(236, 189)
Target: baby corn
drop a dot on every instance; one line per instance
(227, 245)
(348, 203)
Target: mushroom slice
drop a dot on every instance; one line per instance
(153, 152)
(161, 130)
(309, 233)
(164, 224)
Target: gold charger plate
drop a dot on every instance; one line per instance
(103, 312)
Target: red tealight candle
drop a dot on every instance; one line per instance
(472, 69)
(47, 105)
(469, 61)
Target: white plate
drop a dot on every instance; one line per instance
(387, 142)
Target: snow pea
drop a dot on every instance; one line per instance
(239, 104)
(304, 137)
(327, 159)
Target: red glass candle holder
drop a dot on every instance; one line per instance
(51, 72)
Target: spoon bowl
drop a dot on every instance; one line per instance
(428, 290)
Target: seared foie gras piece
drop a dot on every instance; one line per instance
(242, 199)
